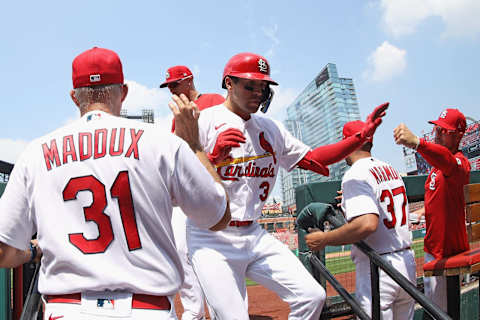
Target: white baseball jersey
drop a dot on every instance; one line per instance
(373, 186)
(100, 192)
(250, 176)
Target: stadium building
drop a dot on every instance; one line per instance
(316, 117)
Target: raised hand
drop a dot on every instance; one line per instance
(404, 136)
(374, 119)
(228, 139)
(186, 115)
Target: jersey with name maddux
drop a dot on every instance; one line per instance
(100, 192)
(250, 175)
(373, 186)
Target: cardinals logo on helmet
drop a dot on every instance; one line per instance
(262, 65)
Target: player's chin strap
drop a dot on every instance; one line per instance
(267, 99)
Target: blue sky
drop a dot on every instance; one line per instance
(420, 55)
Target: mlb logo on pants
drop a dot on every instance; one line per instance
(106, 303)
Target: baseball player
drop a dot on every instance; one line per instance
(375, 205)
(222, 260)
(99, 194)
(179, 80)
(444, 200)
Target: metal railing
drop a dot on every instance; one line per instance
(313, 216)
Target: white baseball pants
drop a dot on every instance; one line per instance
(395, 303)
(191, 293)
(436, 287)
(88, 310)
(223, 259)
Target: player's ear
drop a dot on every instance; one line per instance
(228, 83)
(72, 95)
(124, 91)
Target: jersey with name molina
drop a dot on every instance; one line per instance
(250, 175)
(100, 192)
(373, 186)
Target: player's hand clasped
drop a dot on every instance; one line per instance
(186, 116)
(374, 119)
(228, 139)
(404, 136)
(316, 240)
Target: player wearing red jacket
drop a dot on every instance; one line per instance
(444, 201)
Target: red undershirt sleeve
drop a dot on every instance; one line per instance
(319, 158)
(335, 152)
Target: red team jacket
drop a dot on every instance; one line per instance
(444, 200)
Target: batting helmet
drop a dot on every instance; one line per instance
(248, 66)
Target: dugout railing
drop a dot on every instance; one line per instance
(315, 203)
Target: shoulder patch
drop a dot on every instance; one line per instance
(459, 161)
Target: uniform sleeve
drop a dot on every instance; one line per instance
(440, 157)
(16, 227)
(293, 149)
(194, 190)
(359, 198)
(335, 152)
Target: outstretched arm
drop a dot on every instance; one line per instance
(186, 116)
(357, 229)
(436, 155)
(319, 158)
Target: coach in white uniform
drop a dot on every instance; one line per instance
(375, 205)
(99, 194)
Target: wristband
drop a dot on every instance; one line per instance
(33, 253)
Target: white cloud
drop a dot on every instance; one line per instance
(164, 122)
(271, 33)
(460, 17)
(386, 62)
(11, 149)
(141, 97)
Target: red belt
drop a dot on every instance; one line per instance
(139, 301)
(235, 223)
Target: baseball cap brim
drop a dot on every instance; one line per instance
(442, 124)
(253, 76)
(163, 85)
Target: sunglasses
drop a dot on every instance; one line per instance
(176, 83)
(438, 129)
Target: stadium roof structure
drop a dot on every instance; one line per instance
(5, 167)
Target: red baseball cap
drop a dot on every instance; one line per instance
(353, 127)
(451, 119)
(176, 73)
(96, 66)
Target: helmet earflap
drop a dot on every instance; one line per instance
(267, 98)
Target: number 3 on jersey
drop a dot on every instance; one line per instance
(399, 191)
(95, 212)
(266, 189)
